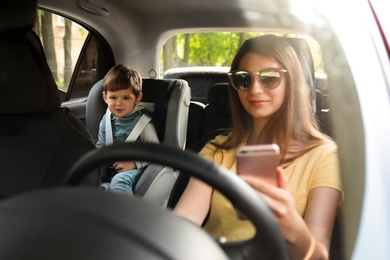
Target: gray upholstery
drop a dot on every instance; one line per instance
(199, 79)
(95, 109)
(172, 100)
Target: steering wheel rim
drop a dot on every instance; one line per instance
(268, 241)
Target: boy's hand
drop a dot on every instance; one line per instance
(124, 166)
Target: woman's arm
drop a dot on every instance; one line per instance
(321, 214)
(194, 204)
(308, 237)
(311, 238)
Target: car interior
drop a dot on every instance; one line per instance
(52, 201)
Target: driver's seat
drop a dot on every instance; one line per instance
(39, 141)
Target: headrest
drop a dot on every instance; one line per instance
(17, 15)
(305, 57)
(200, 79)
(218, 98)
(26, 82)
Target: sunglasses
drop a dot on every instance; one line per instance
(242, 80)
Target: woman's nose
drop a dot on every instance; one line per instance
(257, 86)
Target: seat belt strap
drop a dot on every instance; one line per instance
(134, 134)
(138, 128)
(109, 138)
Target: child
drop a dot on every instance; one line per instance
(123, 94)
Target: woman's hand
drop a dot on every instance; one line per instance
(308, 237)
(124, 166)
(281, 202)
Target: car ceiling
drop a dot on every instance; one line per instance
(149, 23)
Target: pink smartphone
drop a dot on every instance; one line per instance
(259, 160)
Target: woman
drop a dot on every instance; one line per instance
(270, 104)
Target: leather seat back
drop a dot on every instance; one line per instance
(39, 141)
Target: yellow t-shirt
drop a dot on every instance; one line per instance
(317, 168)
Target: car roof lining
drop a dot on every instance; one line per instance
(147, 36)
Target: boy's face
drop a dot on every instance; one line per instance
(121, 102)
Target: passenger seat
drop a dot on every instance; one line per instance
(216, 116)
(200, 79)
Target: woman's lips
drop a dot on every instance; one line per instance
(258, 102)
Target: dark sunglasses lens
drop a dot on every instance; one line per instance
(242, 80)
(270, 79)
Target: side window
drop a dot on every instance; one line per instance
(94, 62)
(77, 57)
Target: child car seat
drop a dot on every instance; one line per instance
(171, 98)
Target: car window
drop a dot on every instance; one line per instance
(76, 56)
(218, 49)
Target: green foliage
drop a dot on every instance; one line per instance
(213, 49)
(60, 85)
(83, 32)
(219, 48)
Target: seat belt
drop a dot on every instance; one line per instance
(138, 128)
(134, 134)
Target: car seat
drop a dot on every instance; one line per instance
(194, 125)
(205, 119)
(214, 119)
(171, 99)
(39, 140)
(302, 49)
(199, 79)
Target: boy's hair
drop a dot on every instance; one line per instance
(122, 77)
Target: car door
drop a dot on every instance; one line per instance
(77, 56)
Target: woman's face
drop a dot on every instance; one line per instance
(260, 102)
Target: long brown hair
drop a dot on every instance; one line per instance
(294, 126)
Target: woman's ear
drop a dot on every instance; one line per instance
(139, 98)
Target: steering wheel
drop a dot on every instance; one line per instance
(136, 227)
(268, 241)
